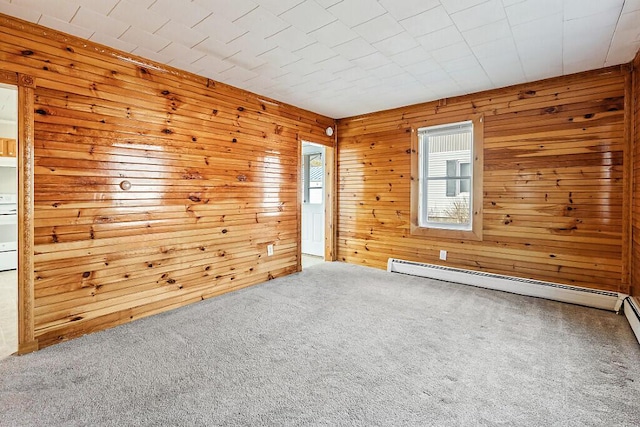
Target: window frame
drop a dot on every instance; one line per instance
(476, 192)
(306, 181)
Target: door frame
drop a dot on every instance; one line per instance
(26, 325)
(330, 199)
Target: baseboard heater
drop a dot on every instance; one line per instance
(554, 291)
(632, 312)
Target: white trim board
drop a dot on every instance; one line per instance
(605, 300)
(632, 313)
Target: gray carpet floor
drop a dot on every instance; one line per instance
(339, 344)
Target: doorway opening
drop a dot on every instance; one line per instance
(313, 203)
(8, 220)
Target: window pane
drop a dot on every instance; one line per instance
(448, 211)
(446, 153)
(316, 170)
(465, 186)
(315, 196)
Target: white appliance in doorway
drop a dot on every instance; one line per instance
(313, 199)
(8, 232)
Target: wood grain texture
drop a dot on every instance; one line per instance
(635, 227)
(554, 176)
(212, 170)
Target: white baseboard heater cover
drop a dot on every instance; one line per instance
(554, 291)
(632, 312)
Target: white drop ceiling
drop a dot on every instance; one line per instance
(346, 57)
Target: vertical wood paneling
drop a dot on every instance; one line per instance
(153, 188)
(635, 254)
(553, 182)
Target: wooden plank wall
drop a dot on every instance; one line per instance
(212, 171)
(635, 260)
(553, 182)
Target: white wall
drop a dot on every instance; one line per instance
(8, 129)
(8, 180)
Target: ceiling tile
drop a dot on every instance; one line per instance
(279, 57)
(302, 67)
(355, 12)
(113, 42)
(63, 11)
(621, 55)
(334, 34)
(489, 32)
(454, 6)
(183, 65)
(212, 64)
(60, 25)
(316, 52)
(503, 69)
(396, 44)
(459, 63)
(407, 8)
(219, 28)
(149, 54)
(531, 10)
(251, 43)
(369, 62)
(500, 47)
(187, 13)
(450, 53)
(279, 6)
(441, 38)
(422, 67)
(574, 9)
(356, 48)
(411, 56)
(138, 16)
(427, 22)
(336, 64)
(152, 42)
(88, 18)
(477, 16)
(178, 51)
(100, 6)
(291, 38)
(236, 75)
(22, 12)
(630, 6)
(388, 70)
(379, 28)
(216, 48)
(546, 28)
(327, 3)
(180, 33)
(352, 74)
(270, 71)
(262, 22)
(322, 77)
(308, 16)
(245, 60)
(221, 7)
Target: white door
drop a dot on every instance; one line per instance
(313, 199)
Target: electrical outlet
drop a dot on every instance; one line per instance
(269, 250)
(443, 255)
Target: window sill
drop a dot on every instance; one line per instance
(444, 233)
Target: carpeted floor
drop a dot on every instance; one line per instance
(339, 344)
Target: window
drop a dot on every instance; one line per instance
(312, 175)
(446, 192)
